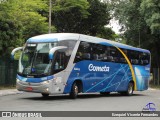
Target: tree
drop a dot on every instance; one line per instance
(140, 20)
(80, 16)
(19, 20)
(68, 14)
(98, 18)
(150, 9)
(10, 35)
(126, 12)
(106, 33)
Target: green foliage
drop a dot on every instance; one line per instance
(19, 20)
(68, 14)
(80, 16)
(10, 34)
(107, 33)
(151, 11)
(98, 18)
(17, 55)
(140, 19)
(69, 5)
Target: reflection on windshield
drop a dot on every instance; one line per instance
(35, 60)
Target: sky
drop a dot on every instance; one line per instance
(114, 25)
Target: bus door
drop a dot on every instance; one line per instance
(59, 64)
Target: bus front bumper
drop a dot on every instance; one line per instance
(42, 87)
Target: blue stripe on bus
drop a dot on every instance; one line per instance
(34, 80)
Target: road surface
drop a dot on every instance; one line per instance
(84, 102)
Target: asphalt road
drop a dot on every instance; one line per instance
(84, 102)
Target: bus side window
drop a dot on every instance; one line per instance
(114, 54)
(99, 52)
(83, 52)
(133, 57)
(60, 61)
(144, 58)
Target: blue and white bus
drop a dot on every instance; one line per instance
(68, 63)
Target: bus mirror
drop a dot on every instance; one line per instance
(13, 56)
(52, 51)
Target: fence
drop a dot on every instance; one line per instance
(8, 71)
(156, 76)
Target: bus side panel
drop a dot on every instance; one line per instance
(142, 76)
(100, 76)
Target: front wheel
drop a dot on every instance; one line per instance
(74, 91)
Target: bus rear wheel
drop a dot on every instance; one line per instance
(130, 89)
(74, 91)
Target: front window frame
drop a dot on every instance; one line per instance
(51, 62)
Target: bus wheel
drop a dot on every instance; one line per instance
(104, 93)
(130, 89)
(44, 95)
(74, 91)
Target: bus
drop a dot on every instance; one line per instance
(69, 63)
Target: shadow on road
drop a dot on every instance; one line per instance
(80, 96)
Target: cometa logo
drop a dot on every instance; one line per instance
(91, 67)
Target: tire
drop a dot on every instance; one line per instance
(45, 95)
(130, 89)
(74, 91)
(104, 93)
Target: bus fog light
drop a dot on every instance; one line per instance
(46, 90)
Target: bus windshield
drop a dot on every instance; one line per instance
(35, 60)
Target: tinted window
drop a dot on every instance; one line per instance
(83, 52)
(70, 45)
(133, 56)
(99, 52)
(61, 57)
(144, 58)
(92, 51)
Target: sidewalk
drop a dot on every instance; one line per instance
(9, 92)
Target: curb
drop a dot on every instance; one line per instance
(152, 88)
(9, 92)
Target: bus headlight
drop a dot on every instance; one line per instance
(17, 80)
(45, 82)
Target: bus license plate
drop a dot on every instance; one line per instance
(29, 88)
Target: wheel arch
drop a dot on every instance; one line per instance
(79, 84)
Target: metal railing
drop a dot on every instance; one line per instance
(8, 71)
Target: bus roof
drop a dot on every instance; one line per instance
(73, 36)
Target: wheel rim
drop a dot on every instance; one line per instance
(130, 88)
(76, 89)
